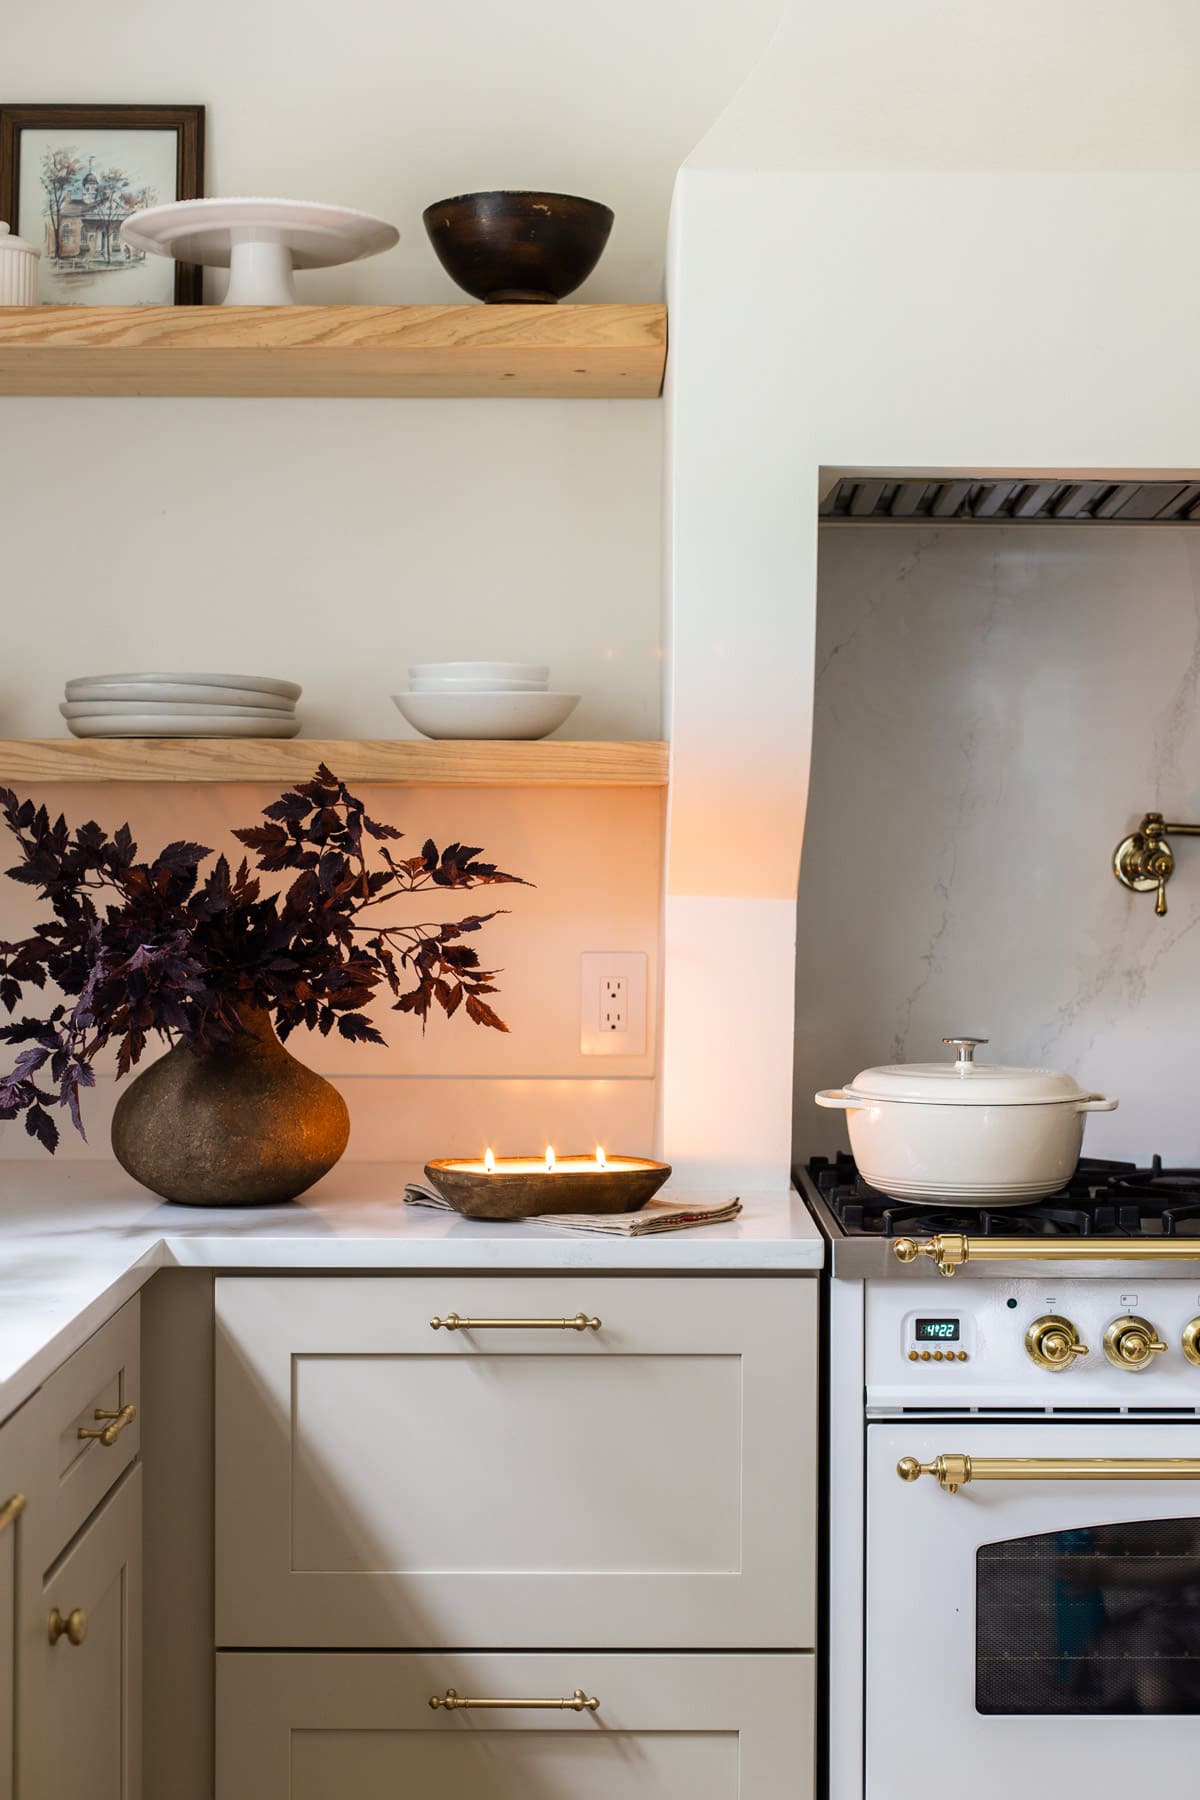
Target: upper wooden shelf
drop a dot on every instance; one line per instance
(277, 762)
(360, 352)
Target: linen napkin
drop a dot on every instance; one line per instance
(654, 1217)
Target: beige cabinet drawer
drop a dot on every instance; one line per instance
(86, 1395)
(79, 1698)
(646, 1484)
(322, 1727)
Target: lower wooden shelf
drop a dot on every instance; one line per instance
(416, 762)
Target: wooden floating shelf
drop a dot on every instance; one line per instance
(278, 762)
(358, 352)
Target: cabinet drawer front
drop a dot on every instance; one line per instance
(647, 1483)
(100, 1379)
(321, 1727)
(80, 1702)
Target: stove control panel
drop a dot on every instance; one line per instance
(1034, 1341)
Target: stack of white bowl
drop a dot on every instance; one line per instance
(483, 700)
(181, 705)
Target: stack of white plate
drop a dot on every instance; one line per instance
(179, 705)
(483, 700)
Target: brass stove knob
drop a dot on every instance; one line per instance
(1191, 1341)
(1130, 1342)
(1052, 1342)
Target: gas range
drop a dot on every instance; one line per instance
(1014, 1483)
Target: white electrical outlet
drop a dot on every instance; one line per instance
(613, 1003)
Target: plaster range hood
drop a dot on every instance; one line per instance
(989, 500)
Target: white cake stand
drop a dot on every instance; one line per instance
(260, 242)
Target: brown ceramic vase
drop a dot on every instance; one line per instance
(243, 1125)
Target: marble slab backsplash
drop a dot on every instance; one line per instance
(995, 708)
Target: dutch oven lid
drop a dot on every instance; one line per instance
(965, 1082)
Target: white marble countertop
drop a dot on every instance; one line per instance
(78, 1239)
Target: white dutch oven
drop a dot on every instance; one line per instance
(963, 1132)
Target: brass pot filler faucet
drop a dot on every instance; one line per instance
(1146, 860)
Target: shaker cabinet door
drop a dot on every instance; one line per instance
(323, 1727)
(648, 1482)
(8, 1628)
(80, 1696)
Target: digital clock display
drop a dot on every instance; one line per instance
(937, 1331)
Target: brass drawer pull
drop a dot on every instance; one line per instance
(108, 1434)
(11, 1510)
(949, 1251)
(579, 1702)
(953, 1472)
(73, 1627)
(452, 1322)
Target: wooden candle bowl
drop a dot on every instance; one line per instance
(508, 1194)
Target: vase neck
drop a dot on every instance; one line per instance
(258, 1021)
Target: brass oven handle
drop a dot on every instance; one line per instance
(579, 1702)
(452, 1322)
(948, 1251)
(954, 1471)
(12, 1509)
(108, 1434)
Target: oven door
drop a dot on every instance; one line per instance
(1031, 1635)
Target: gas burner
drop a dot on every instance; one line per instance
(1102, 1198)
(1159, 1202)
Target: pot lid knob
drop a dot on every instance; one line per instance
(966, 1048)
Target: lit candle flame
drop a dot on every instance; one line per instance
(489, 1161)
(549, 1159)
(601, 1159)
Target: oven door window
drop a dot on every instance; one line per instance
(1099, 1619)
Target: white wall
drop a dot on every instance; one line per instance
(594, 859)
(995, 708)
(932, 290)
(335, 542)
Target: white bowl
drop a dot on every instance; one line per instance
(486, 715)
(177, 693)
(473, 684)
(267, 684)
(487, 671)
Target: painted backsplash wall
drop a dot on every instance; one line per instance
(995, 708)
(594, 858)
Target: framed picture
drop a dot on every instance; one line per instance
(70, 176)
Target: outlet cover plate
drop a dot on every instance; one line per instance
(595, 967)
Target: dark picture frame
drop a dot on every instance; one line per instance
(187, 122)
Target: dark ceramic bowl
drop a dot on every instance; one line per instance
(518, 248)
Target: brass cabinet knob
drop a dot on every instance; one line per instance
(73, 1627)
(1191, 1341)
(1130, 1342)
(1052, 1342)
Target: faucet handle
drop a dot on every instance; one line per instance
(966, 1048)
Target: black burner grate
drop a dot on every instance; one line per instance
(1102, 1199)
